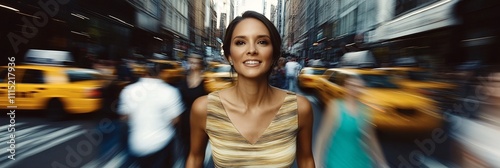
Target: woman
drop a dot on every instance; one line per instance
(345, 130)
(252, 123)
(191, 88)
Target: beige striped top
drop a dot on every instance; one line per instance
(275, 148)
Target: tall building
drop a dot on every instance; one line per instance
(176, 26)
(197, 34)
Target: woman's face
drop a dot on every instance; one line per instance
(251, 49)
(195, 64)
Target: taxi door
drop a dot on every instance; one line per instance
(30, 89)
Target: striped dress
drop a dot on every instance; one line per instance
(275, 148)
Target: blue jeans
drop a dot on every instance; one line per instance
(291, 83)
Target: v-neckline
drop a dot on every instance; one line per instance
(265, 130)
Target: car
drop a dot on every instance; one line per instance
(219, 76)
(173, 71)
(417, 79)
(392, 108)
(57, 90)
(308, 76)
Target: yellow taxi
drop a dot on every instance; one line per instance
(392, 108)
(308, 77)
(416, 79)
(219, 76)
(56, 89)
(173, 71)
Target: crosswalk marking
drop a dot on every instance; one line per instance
(7, 125)
(20, 133)
(36, 141)
(117, 161)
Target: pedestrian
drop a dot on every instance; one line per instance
(252, 123)
(152, 108)
(344, 130)
(278, 74)
(292, 69)
(191, 88)
(477, 138)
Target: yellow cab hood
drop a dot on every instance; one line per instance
(395, 98)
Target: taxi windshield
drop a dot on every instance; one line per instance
(314, 71)
(378, 81)
(82, 75)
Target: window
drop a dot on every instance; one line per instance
(333, 77)
(79, 75)
(314, 71)
(33, 76)
(378, 81)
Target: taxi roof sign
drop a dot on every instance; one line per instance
(359, 59)
(51, 57)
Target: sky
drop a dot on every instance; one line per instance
(244, 5)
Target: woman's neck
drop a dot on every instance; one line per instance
(253, 92)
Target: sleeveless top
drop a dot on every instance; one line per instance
(347, 148)
(275, 148)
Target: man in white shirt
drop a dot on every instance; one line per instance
(292, 69)
(152, 108)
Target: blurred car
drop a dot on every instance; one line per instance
(58, 90)
(173, 71)
(416, 79)
(308, 77)
(219, 76)
(393, 108)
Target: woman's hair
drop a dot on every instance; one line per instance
(275, 36)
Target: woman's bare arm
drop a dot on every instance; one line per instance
(199, 137)
(324, 132)
(375, 149)
(304, 138)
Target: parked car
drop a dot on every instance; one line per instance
(57, 90)
(393, 108)
(219, 76)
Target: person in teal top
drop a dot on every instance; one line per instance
(346, 138)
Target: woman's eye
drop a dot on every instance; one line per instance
(239, 42)
(263, 42)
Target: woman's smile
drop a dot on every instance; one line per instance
(252, 63)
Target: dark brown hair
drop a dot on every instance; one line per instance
(275, 36)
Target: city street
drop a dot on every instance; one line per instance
(90, 141)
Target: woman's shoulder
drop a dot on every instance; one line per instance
(200, 105)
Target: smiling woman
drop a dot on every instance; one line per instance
(252, 123)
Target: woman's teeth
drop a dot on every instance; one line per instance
(252, 62)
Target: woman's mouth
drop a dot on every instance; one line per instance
(252, 63)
